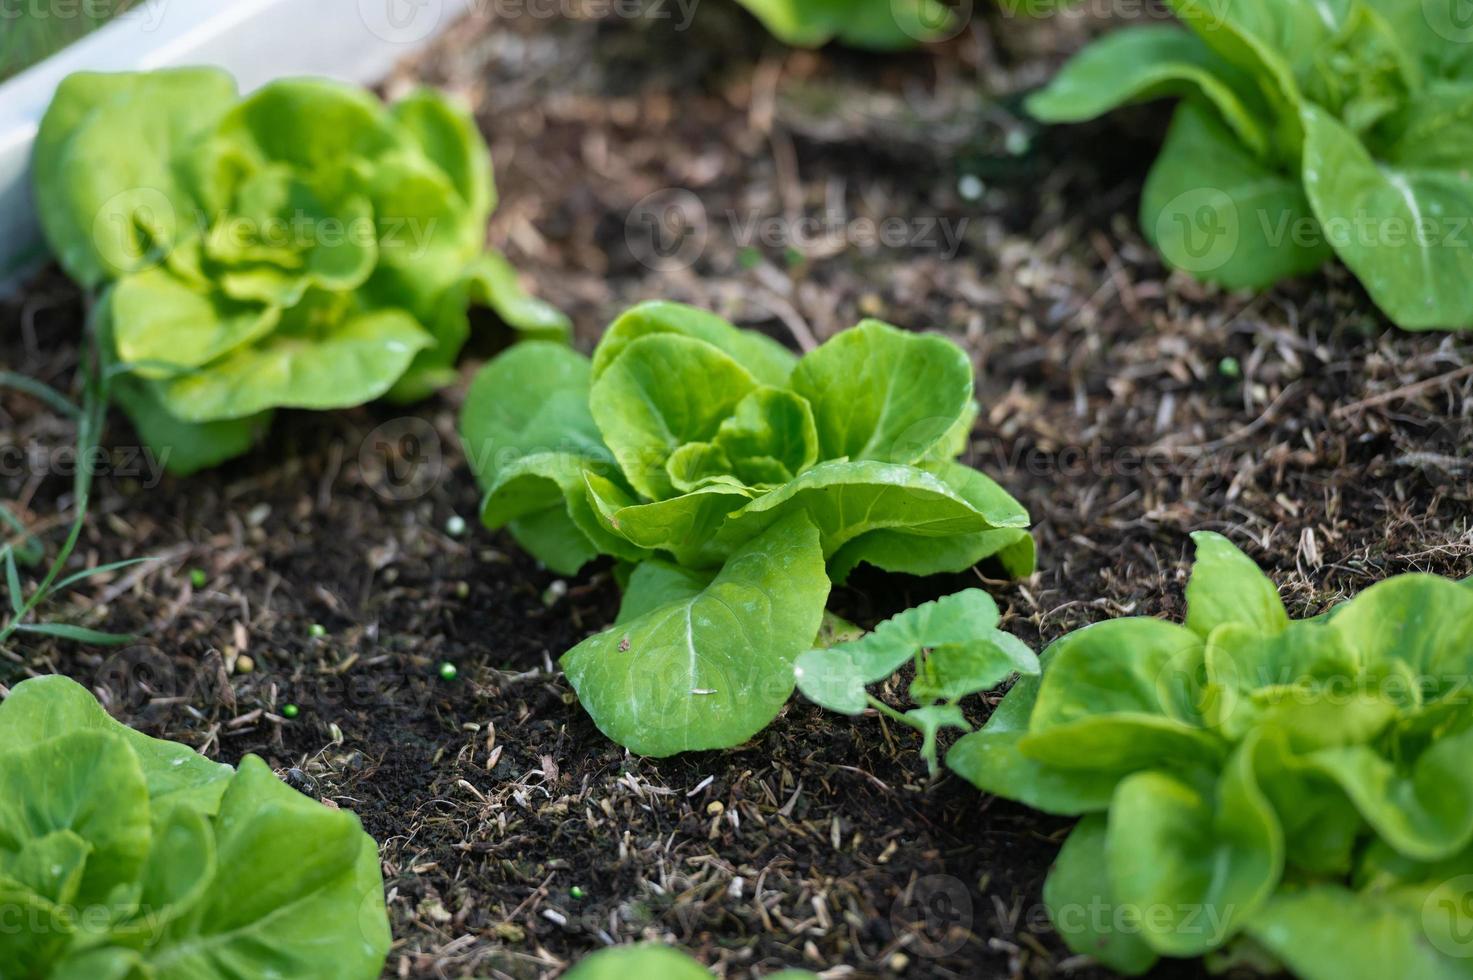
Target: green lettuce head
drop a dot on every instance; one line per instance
(741, 480)
(123, 857)
(1261, 790)
(1307, 129)
(303, 247)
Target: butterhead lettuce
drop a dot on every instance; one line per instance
(303, 247)
(124, 857)
(1307, 128)
(1281, 792)
(740, 481)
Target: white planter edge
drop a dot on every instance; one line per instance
(255, 40)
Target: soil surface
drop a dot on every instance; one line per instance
(1126, 406)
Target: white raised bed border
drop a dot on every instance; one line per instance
(255, 40)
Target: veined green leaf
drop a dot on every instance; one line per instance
(685, 526)
(447, 135)
(1423, 621)
(1227, 587)
(315, 126)
(1217, 211)
(45, 708)
(883, 394)
(955, 670)
(1321, 826)
(1122, 666)
(1395, 227)
(160, 319)
(847, 499)
(303, 364)
(103, 221)
(657, 583)
(664, 390)
(155, 864)
(765, 359)
(1326, 932)
(898, 551)
(297, 889)
(84, 782)
(769, 424)
(531, 399)
(711, 670)
(1137, 64)
(1082, 905)
(1432, 132)
(1207, 862)
(544, 500)
(1424, 810)
(992, 761)
(957, 649)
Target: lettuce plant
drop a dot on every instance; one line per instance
(736, 481)
(955, 646)
(303, 247)
(1307, 127)
(876, 25)
(123, 857)
(1286, 793)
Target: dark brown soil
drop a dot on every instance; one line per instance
(1337, 452)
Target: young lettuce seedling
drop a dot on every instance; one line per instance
(957, 650)
(1252, 786)
(737, 481)
(303, 247)
(1307, 128)
(124, 856)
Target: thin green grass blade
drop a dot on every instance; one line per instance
(12, 581)
(77, 634)
(100, 570)
(42, 392)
